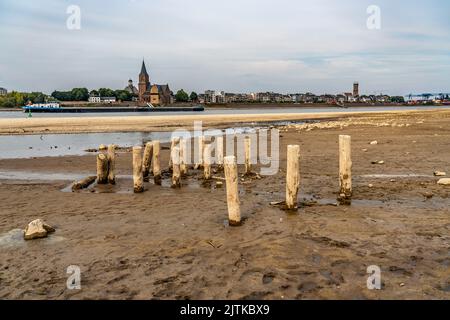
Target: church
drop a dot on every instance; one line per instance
(155, 94)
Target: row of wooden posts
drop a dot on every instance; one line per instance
(149, 162)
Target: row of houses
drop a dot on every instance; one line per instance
(221, 97)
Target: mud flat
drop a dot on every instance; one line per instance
(160, 245)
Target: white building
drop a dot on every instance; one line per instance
(212, 96)
(3, 91)
(98, 99)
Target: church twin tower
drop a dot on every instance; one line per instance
(155, 94)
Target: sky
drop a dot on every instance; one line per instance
(319, 46)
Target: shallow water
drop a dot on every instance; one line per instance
(55, 145)
(14, 238)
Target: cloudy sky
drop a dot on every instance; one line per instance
(233, 45)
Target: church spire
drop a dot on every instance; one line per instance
(143, 69)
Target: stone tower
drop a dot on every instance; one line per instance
(144, 82)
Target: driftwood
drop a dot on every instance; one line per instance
(83, 184)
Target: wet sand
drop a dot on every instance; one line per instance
(173, 244)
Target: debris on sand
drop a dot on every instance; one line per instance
(378, 162)
(83, 184)
(37, 229)
(444, 182)
(440, 174)
(374, 143)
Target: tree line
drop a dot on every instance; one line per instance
(82, 94)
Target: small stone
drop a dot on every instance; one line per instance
(37, 229)
(364, 150)
(444, 182)
(370, 185)
(374, 143)
(440, 174)
(428, 195)
(402, 284)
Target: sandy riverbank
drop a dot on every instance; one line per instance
(172, 244)
(164, 123)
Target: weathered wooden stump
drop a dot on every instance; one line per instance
(345, 170)
(207, 162)
(176, 173)
(138, 178)
(147, 161)
(231, 176)
(292, 176)
(248, 156)
(102, 169)
(184, 156)
(219, 153)
(156, 162)
(112, 164)
(200, 147)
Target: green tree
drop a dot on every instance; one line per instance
(193, 96)
(105, 92)
(80, 94)
(123, 95)
(182, 96)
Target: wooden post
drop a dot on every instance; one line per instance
(231, 176)
(345, 170)
(102, 169)
(219, 152)
(183, 156)
(176, 174)
(147, 161)
(112, 164)
(201, 142)
(175, 141)
(207, 162)
(292, 176)
(138, 178)
(248, 164)
(156, 162)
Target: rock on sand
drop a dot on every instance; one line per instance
(37, 229)
(444, 182)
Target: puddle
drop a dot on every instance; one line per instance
(40, 176)
(395, 176)
(14, 238)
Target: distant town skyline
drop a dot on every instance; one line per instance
(285, 46)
